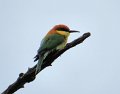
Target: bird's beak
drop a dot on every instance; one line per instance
(73, 31)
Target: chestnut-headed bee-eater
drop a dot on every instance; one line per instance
(56, 39)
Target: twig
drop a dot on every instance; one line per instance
(29, 76)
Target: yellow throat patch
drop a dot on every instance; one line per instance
(64, 33)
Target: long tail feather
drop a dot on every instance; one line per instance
(39, 64)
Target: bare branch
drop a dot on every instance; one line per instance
(29, 76)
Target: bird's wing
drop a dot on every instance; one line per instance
(50, 42)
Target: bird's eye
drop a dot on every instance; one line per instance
(62, 29)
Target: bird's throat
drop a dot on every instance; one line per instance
(64, 33)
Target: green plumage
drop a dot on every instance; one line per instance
(49, 43)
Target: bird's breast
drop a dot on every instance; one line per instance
(62, 45)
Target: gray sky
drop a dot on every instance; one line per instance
(90, 68)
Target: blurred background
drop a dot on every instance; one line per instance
(92, 67)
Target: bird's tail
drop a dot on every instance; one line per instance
(39, 64)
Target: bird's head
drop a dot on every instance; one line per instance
(62, 29)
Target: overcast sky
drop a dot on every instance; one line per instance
(92, 67)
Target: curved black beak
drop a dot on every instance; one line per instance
(73, 31)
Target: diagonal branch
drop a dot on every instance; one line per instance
(29, 76)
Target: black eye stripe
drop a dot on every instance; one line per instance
(62, 29)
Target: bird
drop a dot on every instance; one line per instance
(55, 39)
